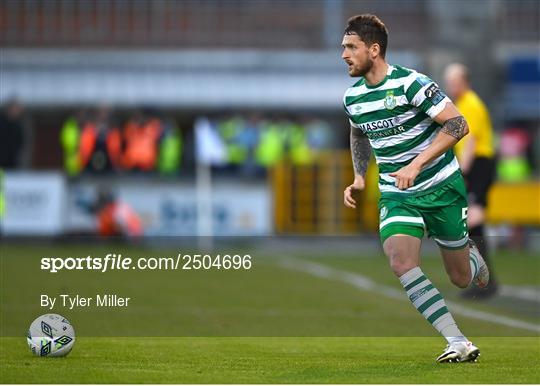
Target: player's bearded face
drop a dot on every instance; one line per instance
(362, 68)
(356, 55)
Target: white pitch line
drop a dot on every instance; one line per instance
(366, 284)
(530, 294)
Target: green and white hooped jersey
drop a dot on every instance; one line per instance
(397, 117)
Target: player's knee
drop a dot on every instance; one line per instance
(400, 264)
(403, 256)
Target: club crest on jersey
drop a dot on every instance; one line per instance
(390, 100)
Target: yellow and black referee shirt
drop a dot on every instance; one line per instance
(477, 116)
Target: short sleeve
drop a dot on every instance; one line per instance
(346, 110)
(349, 116)
(426, 95)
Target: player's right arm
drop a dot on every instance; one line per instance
(466, 157)
(361, 153)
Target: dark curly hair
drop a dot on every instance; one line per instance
(370, 29)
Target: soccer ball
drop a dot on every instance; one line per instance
(51, 335)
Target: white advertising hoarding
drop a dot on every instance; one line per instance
(170, 208)
(34, 203)
(44, 204)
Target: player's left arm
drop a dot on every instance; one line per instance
(454, 127)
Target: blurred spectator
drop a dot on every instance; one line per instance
(319, 134)
(299, 150)
(170, 149)
(271, 147)
(141, 136)
(116, 218)
(251, 134)
(100, 144)
(146, 143)
(11, 134)
(253, 145)
(69, 139)
(513, 165)
(232, 131)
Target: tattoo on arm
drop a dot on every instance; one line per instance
(456, 127)
(360, 151)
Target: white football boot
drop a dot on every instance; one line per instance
(463, 351)
(481, 280)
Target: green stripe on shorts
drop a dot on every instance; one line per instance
(401, 228)
(451, 244)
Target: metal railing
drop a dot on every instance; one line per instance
(309, 199)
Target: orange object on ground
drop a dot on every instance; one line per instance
(119, 219)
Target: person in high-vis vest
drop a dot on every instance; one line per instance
(271, 147)
(170, 150)
(142, 144)
(299, 150)
(69, 139)
(475, 154)
(100, 145)
(231, 132)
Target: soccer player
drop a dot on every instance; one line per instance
(475, 154)
(411, 126)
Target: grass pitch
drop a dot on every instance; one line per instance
(268, 325)
(271, 360)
